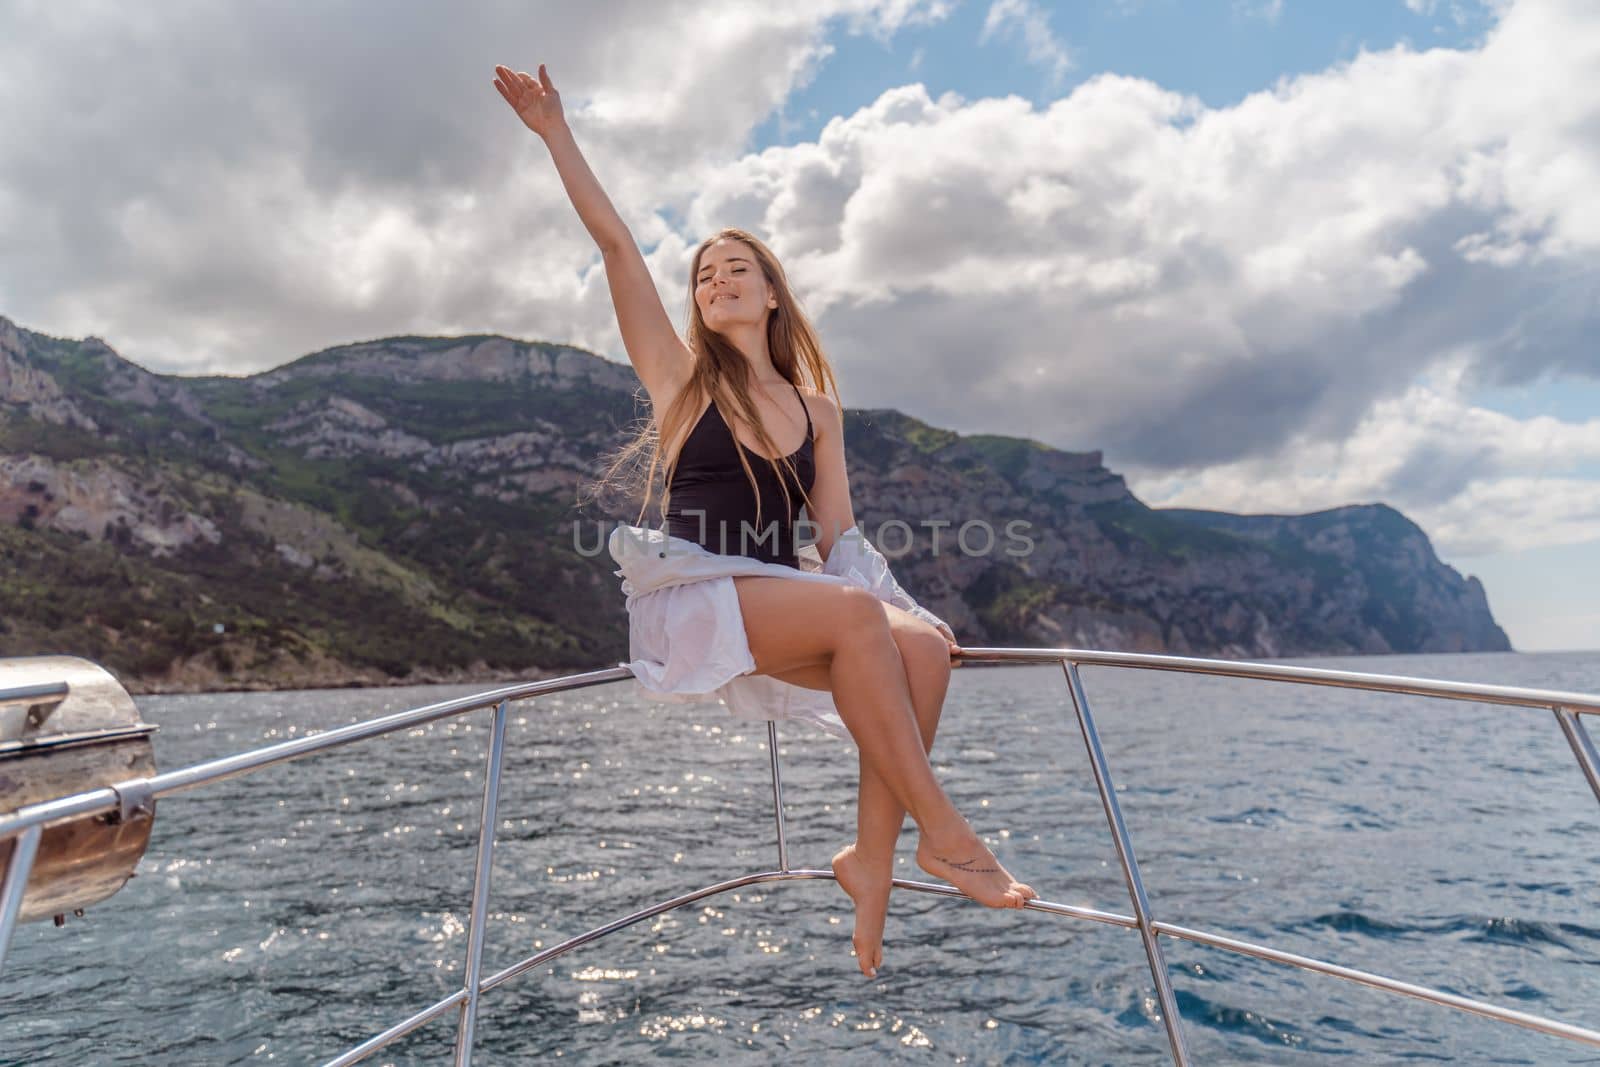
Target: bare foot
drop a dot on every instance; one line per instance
(968, 865)
(869, 889)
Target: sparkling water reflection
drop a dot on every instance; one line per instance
(291, 914)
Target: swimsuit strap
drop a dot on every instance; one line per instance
(809, 432)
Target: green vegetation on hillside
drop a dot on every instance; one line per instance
(1007, 455)
(1130, 522)
(410, 541)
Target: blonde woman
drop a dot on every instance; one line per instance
(746, 432)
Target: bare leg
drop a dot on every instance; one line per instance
(865, 868)
(927, 662)
(870, 690)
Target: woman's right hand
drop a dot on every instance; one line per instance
(535, 100)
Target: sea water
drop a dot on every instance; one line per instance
(290, 914)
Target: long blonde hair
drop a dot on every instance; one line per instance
(722, 373)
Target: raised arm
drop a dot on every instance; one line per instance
(658, 354)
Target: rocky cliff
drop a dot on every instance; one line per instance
(404, 509)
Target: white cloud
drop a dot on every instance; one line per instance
(225, 188)
(1200, 285)
(1221, 293)
(1239, 291)
(1028, 22)
(1462, 12)
(1268, 10)
(1478, 480)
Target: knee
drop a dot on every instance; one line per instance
(860, 616)
(925, 646)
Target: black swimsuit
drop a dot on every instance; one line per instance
(711, 501)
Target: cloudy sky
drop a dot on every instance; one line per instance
(1269, 255)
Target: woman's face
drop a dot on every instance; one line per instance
(729, 287)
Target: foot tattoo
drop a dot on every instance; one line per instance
(981, 877)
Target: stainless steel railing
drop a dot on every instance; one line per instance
(26, 825)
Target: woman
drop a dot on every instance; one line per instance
(884, 661)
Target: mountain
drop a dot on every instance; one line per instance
(403, 509)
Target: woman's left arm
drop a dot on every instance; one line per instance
(830, 494)
(831, 510)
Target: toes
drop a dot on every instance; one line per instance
(868, 960)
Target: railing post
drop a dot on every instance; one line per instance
(15, 884)
(1582, 747)
(777, 794)
(487, 817)
(1130, 866)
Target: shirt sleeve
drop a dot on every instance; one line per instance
(855, 559)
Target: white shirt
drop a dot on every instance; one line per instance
(686, 636)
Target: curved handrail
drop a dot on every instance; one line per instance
(27, 823)
(192, 777)
(1583, 703)
(246, 762)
